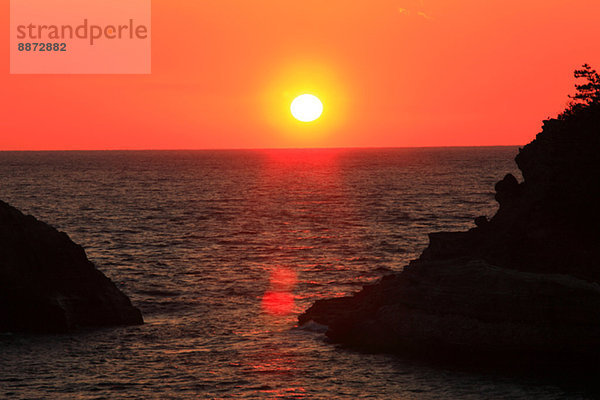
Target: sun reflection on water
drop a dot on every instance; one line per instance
(279, 298)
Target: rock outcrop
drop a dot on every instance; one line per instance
(521, 285)
(47, 284)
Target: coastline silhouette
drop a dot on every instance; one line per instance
(521, 287)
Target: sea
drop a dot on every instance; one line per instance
(222, 250)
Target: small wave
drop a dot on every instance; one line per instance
(312, 326)
(390, 247)
(159, 293)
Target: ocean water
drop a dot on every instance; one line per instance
(222, 250)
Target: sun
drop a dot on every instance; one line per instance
(306, 108)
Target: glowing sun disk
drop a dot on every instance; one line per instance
(306, 108)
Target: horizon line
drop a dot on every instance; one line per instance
(262, 148)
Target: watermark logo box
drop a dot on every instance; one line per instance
(80, 36)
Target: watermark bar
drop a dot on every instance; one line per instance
(80, 36)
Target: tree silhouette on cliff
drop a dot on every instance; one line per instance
(587, 92)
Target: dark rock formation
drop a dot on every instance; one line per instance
(47, 284)
(521, 285)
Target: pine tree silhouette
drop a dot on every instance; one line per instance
(587, 93)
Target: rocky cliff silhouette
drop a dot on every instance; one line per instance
(523, 285)
(47, 284)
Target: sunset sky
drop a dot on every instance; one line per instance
(390, 73)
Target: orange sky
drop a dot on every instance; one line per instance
(391, 73)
